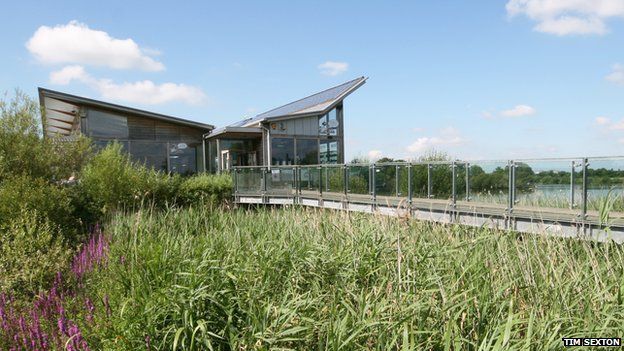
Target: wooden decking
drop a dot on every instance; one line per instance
(542, 220)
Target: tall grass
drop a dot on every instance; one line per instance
(313, 279)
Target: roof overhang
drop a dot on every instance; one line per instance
(221, 132)
(61, 117)
(318, 109)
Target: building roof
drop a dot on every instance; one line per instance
(314, 104)
(60, 114)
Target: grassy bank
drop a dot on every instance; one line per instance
(309, 279)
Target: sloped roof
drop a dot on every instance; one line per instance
(61, 109)
(318, 103)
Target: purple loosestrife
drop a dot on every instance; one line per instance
(45, 324)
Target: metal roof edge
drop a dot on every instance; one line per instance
(115, 107)
(342, 96)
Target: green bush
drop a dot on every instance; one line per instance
(31, 252)
(205, 188)
(49, 201)
(111, 181)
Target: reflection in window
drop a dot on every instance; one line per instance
(182, 158)
(307, 151)
(332, 122)
(101, 144)
(107, 125)
(282, 151)
(150, 154)
(323, 125)
(328, 151)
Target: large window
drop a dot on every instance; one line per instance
(307, 151)
(182, 158)
(329, 123)
(107, 125)
(328, 151)
(282, 151)
(150, 153)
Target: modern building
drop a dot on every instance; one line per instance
(163, 142)
(304, 132)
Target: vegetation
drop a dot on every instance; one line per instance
(311, 279)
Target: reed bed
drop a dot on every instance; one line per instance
(315, 279)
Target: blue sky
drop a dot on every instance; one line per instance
(478, 79)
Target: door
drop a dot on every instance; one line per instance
(225, 161)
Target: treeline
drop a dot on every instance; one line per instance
(481, 181)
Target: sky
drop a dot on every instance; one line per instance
(479, 80)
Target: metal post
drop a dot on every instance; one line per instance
(409, 184)
(297, 180)
(236, 170)
(396, 181)
(453, 185)
(373, 185)
(512, 186)
(346, 179)
(572, 186)
(326, 179)
(429, 181)
(585, 184)
(264, 181)
(320, 186)
(467, 181)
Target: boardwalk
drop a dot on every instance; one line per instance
(581, 197)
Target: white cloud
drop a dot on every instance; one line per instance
(142, 92)
(518, 111)
(333, 68)
(617, 75)
(374, 155)
(608, 125)
(447, 137)
(514, 112)
(602, 121)
(566, 17)
(76, 43)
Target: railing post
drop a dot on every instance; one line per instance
(409, 183)
(346, 179)
(373, 185)
(467, 181)
(585, 185)
(264, 181)
(326, 179)
(453, 184)
(236, 170)
(320, 186)
(511, 195)
(297, 180)
(572, 185)
(429, 181)
(396, 181)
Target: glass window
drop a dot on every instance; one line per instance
(307, 151)
(182, 158)
(323, 125)
(149, 153)
(332, 122)
(213, 160)
(100, 144)
(328, 151)
(107, 125)
(282, 151)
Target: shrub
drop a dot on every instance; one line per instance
(204, 188)
(111, 181)
(23, 150)
(48, 201)
(31, 252)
